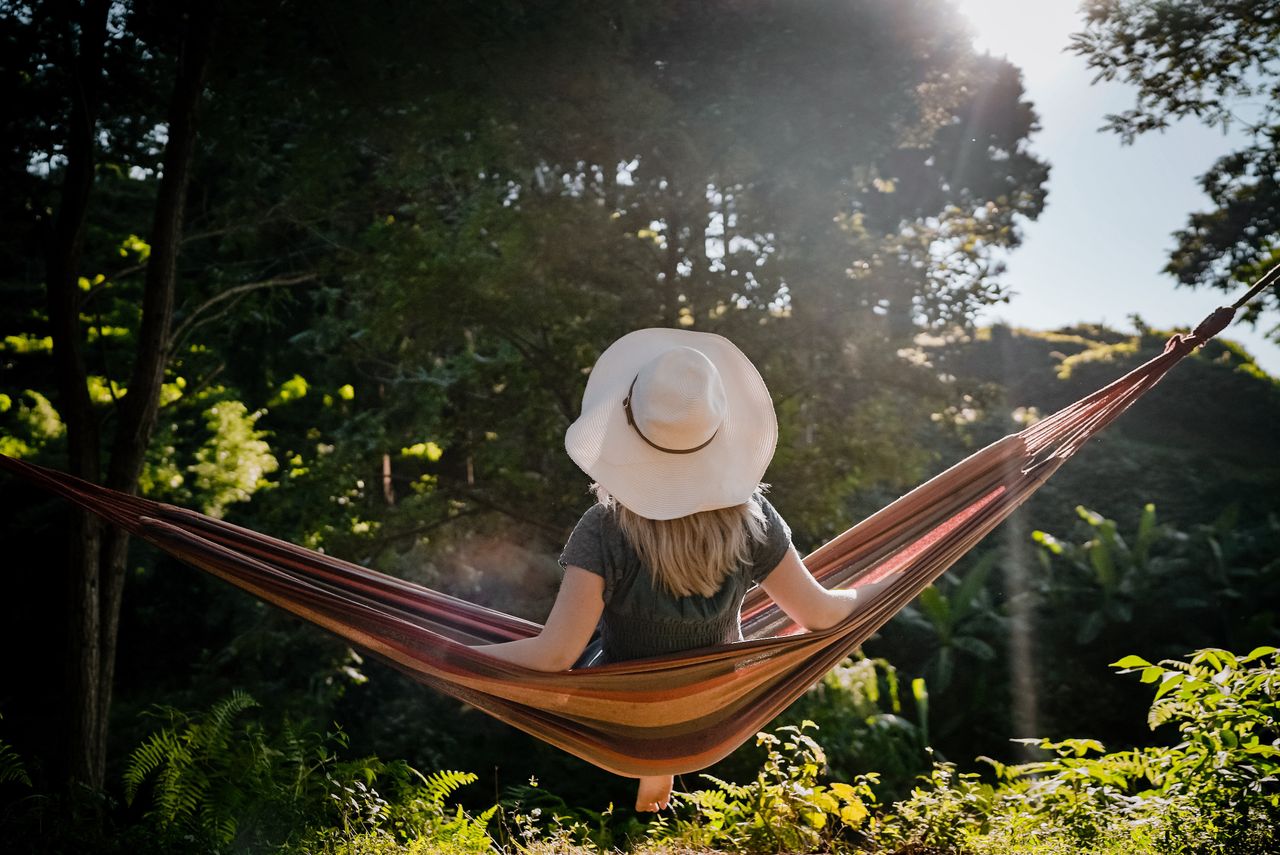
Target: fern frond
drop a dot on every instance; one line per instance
(221, 827)
(440, 785)
(734, 791)
(215, 729)
(11, 767)
(179, 789)
(154, 752)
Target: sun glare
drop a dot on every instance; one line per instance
(1031, 34)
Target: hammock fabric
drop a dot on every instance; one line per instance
(668, 714)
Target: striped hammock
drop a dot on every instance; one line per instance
(669, 714)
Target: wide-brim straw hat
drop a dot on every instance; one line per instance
(674, 422)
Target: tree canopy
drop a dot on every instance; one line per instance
(1217, 62)
(357, 265)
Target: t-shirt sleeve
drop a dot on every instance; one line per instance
(766, 555)
(585, 547)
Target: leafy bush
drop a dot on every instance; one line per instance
(216, 785)
(1215, 792)
(1211, 585)
(215, 782)
(1215, 579)
(544, 819)
(947, 811)
(784, 809)
(858, 708)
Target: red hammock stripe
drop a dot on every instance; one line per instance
(668, 714)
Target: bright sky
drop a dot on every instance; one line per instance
(1096, 252)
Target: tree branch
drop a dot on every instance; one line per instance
(199, 387)
(236, 291)
(391, 536)
(489, 504)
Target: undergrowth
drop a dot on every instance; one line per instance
(221, 781)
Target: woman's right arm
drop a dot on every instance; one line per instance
(573, 618)
(803, 598)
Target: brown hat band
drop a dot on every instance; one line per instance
(631, 420)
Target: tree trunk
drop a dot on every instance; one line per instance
(84, 57)
(97, 557)
(141, 405)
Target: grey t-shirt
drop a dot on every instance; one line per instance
(642, 620)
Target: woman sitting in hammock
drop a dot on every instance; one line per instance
(676, 429)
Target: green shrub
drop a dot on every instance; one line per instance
(784, 809)
(215, 784)
(947, 810)
(1215, 792)
(859, 710)
(222, 781)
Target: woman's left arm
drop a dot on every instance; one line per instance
(806, 601)
(573, 618)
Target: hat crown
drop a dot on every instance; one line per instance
(674, 422)
(679, 400)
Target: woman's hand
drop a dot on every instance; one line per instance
(573, 618)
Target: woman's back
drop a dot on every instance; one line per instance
(641, 617)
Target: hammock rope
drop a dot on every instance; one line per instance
(668, 714)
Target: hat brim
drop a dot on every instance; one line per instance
(660, 485)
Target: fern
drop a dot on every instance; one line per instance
(153, 753)
(187, 763)
(11, 766)
(438, 786)
(215, 783)
(214, 731)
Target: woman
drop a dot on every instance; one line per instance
(676, 430)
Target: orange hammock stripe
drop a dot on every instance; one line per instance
(668, 714)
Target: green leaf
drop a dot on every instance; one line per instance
(1148, 533)
(944, 666)
(975, 647)
(1171, 681)
(935, 604)
(1104, 567)
(972, 584)
(1047, 541)
(1209, 655)
(1090, 627)
(1130, 661)
(1091, 517)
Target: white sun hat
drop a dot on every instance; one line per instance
(674, 422)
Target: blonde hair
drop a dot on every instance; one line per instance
(695, 553)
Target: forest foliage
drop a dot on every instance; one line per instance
(1215, 62)
(404, 239)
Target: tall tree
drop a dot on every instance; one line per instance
(835, 174)
(97, 557)
(484, 196)
(1217, 61)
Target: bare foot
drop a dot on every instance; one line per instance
(654, 793)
